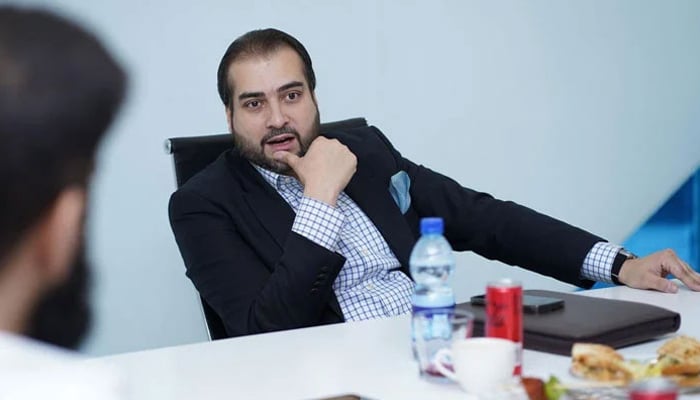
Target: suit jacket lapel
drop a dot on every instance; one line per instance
(273, 212)
(369, 192)
(366, 189)
(268, 206)
(373, 197)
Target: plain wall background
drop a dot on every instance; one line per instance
(586, 110)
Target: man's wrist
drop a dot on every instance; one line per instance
(622, 256)
(323, 194)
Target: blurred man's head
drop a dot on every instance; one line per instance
(59, 91)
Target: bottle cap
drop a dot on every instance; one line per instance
(431, 225)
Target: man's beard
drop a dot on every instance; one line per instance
(255, 152)
(62, 316)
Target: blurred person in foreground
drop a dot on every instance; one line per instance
(59, 92)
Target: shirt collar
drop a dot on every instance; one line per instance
(277, 181)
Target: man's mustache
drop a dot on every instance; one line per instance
(279, 131)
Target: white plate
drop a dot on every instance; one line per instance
(613, 388)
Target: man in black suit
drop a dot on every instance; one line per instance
(293, 229)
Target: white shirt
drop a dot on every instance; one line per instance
(31, 370)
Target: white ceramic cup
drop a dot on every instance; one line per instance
(481, 365)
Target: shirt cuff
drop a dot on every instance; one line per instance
(597, 266)
(318, 222)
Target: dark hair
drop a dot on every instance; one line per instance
(259, 42)
(59, 90)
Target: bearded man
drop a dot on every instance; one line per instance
(292, 229)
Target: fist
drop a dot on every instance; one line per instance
(324, 170)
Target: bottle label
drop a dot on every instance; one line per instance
(436, 323)
(433, 300)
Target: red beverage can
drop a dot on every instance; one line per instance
(653, 389)
(504, 314)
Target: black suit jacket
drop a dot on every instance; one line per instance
(234, 232)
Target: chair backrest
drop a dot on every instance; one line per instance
(192, 154)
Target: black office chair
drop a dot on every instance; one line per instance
(192, 154)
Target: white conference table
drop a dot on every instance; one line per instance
(370, 358)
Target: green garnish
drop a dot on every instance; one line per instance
(553, 388)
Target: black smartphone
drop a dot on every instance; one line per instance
(531, 304)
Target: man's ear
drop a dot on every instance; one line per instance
(229, 118)
(58, 234)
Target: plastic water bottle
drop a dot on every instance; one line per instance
(432, 264)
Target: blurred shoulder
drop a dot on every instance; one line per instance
(35, 370)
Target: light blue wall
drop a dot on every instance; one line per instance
(587, 110)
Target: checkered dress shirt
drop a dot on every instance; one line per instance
(369, 285)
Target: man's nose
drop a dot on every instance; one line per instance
(277, 117)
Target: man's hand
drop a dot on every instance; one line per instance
(325, 169)
(650, 272)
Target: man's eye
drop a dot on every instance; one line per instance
(252, 104)
(292, 95)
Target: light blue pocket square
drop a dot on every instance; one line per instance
(399, 188)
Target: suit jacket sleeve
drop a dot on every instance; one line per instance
(250, 295)
(496, 229)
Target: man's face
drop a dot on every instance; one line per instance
(272, 108)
